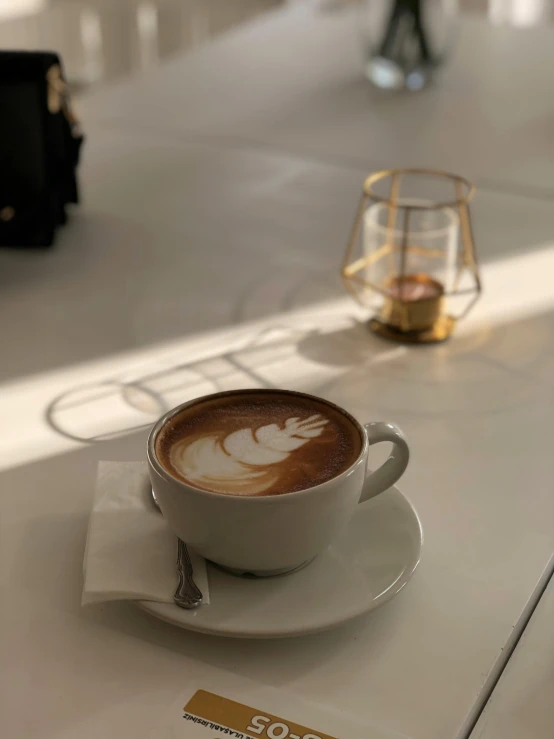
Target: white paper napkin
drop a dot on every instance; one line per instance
(130, 552)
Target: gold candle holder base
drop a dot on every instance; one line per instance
(441, 330)
(412, 302)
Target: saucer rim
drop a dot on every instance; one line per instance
(164, 611)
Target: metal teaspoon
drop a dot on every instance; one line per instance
(187, 595)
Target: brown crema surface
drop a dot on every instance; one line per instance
(329, 443)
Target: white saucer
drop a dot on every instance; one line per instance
(367, 566)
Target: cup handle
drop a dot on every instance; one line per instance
(391, 470)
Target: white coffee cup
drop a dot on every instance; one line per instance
(273, 534)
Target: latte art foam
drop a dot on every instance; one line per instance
(245, 461)
(258, 443)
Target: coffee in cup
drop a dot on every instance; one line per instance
(258, 443)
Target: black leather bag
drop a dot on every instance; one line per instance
(40, 141)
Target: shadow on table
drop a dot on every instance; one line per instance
(487, 371)
(294, 656)
(100, 411)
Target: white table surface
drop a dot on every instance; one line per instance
(521, 705)
(293, 82)
(195, 265)
(162, 220)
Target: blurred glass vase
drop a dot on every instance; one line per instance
(407, 40)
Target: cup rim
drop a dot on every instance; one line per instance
(253, 499)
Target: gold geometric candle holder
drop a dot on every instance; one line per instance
(411, 254)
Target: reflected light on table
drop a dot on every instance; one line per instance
(16, 8)
(515, 288)
(518, 12)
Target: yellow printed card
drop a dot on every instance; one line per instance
(224, 706)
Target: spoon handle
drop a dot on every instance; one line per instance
(187, 595)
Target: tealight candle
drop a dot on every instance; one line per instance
(413, 287)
